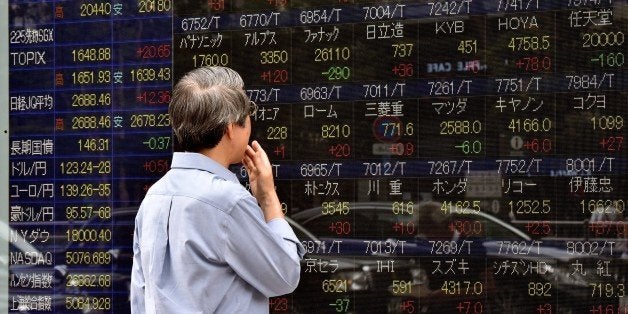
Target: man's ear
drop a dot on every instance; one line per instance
(229, 130)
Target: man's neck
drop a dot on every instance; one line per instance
(219, 154)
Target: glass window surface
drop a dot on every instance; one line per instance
(508, 117)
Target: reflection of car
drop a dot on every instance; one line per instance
(383, 219)
(528, 272)
(360, 274)
(332, 283)
(325, 272)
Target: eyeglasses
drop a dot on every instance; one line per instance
(252, 108)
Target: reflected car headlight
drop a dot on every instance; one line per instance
(354, 280)
(419, 276)
(564, 276)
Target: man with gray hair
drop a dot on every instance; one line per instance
(202, 242)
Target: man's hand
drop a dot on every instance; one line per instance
(261, 180)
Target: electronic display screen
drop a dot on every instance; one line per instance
(508, 116)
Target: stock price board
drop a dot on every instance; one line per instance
(502, 119)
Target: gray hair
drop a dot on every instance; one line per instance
(204, 102)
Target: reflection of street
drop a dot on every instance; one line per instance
(374, 265)
(374, 270)
(377, 270)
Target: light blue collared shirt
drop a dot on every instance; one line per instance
(201, 245)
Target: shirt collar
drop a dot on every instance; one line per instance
(201, 162)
